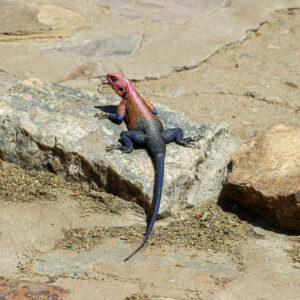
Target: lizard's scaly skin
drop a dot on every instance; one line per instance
(144, 128)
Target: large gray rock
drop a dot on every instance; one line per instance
(48, 126)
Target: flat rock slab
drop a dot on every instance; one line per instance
(48, 126)
(86, 262)
(18, 19)
(31, 21)
(100, 48)
(265, 176)
(168, 11)
(12, 289)
(184, 46)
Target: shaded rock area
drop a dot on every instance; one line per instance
(12, 289)
(265, 176)
(48, 126)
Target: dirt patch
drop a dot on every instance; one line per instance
(294, 252)
(20, 185)
(205, 227)
(138, 297)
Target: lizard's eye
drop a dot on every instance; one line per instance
(121, 89)
(114, 79)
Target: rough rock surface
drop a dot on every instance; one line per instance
(11, 289)
(52, 127)
(265, 176)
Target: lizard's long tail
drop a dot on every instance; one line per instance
(159, 161)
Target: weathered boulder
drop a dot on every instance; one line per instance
(49, 126)
(265, 176)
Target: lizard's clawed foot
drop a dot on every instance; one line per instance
(197, 138)
(101, 116)
(123, 149)
(193, 142)
(112, 147)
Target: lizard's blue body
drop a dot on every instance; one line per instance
(144, 129)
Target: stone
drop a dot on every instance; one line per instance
(6, 79)
(52, 127)
(34, 20)
(101, 48)
(11, 289)
(185, 46)
(168, 11)
(87, 262)
(19, 19)
(265, 176)
(85, 72)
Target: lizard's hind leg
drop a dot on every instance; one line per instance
(128, 139)
(176, 135)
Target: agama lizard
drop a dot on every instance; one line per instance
(144, 129)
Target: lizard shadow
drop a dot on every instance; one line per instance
(109, 109)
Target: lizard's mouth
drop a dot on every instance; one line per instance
(115, 88)
(109, 80)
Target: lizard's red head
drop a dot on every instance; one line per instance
(119, 83)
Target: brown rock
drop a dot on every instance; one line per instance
(85, 72)
(11, 289)
(265, 176)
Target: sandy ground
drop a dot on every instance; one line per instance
(251, 85)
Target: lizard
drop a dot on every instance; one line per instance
(144, 129)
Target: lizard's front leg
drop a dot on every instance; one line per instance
(128, 139)
(115, 118)
(176, 135)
